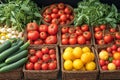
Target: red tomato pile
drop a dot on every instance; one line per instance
(58, 13)
(109, 58)
(42, 34)
(75, 35)
(43, 59)
(105, 36)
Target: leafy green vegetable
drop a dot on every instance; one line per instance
(93, 13)
(17, 13)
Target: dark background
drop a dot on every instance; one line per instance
(73, 3)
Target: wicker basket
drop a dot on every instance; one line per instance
(106, 74)
(42, 74)
(12, 75)
(61, 45)
(71, 22)
(79, 75)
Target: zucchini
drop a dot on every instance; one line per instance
(16, 57)
(5, 45)
(8, 52)
(14, 65)
(2, 64)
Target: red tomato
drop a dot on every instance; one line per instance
(53, 29)
(65, 41)
(104, 67)
(62, 22)
(52, 51)
(71, 17)
(53, 15)
(96, 29)
(46, 57)
(117, 42)
(73, 35)
(48, 11)
(117, 35)
(51, 40)
(33, 59)
(85, 27)
(87, 35)
(117, 63)
(98, 35)
(33, 35)
(43, 28)
(72, 41)
(29, 66)
(114, 47)
(81, 40)
(79, 32)
(64, 29)
(102, 27)
(39, 54)
(102, 62)
(47, 18)
(60, 12)
(32, 51)
(37, 66)
(109, 49)
(101, 42)
(53, 56)
(31, 41)
(63, 17)
(55, 10)
(52, 66)
(67, 10)
(112, 30)
(45, 50)
(61, 5)
(40, 61)
(55, 21)
(32, 26)
(43, 35)
(44, 66)
(53, 6)
(71, 30)
(66, 35)
(108, 38)
(39, 41)
(118, 49)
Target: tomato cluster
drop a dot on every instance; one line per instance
(71, 35)
(105, 35)
(58, 13)
(42, 59)
(110, 55)
(42, 34)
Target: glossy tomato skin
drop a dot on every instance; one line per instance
(109, 49)
(29, 66)
(114, 47)
(33, 35)
(38, 42)
(71, 30)
(47, 18)
(60, 12)
(53, 56)
(108, 38)
(53, 15)
(73, 35)
(85, 27)
(46, 57)
(43, 35)
(65, 41)
(43, 28)
(102, 62)
(52, 66)
(101, 42)
(117, 63)
(117, 35)
(48, 11)
(104, 67)
(87, 35)
(112, 30)
(66, 35)
(79, 32)
(52, 29)
(45, 50)
(102, 27)
(61, 5)
(96, 29)
(98, 35)
(37, 66)
(44, 66)
(39, 54)
(52, 51)
(63, 17)
(51, 40)
(64, 30)
(55, 10)
(32, 26)
(67, 10)
(81, 40)
(55, 21)
(72, 41)
(33, 59)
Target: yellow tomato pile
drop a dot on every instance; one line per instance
(78, 59)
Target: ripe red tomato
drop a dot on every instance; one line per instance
(102, 62)
(40, 61)
(101, 42)
(114, 47)
(52, 51)
(39, 41)
(102, 27)
(53, 56)
(117, 63)
(104, 67)
(118, 49)
(60, 12)
(66, 35)
(71, 30)
(81, 40)
(108, 38)
(44, 66)
(47, 18)
(33, 59)
(87, 35)
(72, 40)
(51, 40)
(55, 10)
(79, 32)
(46, 57)
(29, 66)
(32, 51)
(67, 10)
(55, 21)
(117, 42)
(43, 28)
(96, 29)
(37, 66)
(64, 29)
(33, 35)
(48, 11)
(32, 26)
(112, 30)
(45, 50)
(53, 15)
(98, 35)
(73, 35)
(53, 6)
(63, 17)
(53, 29)
(43, 35)
(109, 49)
(52, 66)
(39, 54)
(85, 27)
(61, 5)
(65, 41)
(117, 35)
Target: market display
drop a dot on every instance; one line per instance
(40, 43)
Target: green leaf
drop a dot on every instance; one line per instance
(37, 14)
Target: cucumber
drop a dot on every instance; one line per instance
(2, 64)
(20, 43)
(5, 45)
(8, 52)
(15, 42)
(14, 65)
(16, 57)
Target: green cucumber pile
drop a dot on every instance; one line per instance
(13, 54)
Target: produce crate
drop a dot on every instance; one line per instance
(106, 74)
(106, 31)
(12, 75)
(79, 75)
(42, 74)
(60, 33)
